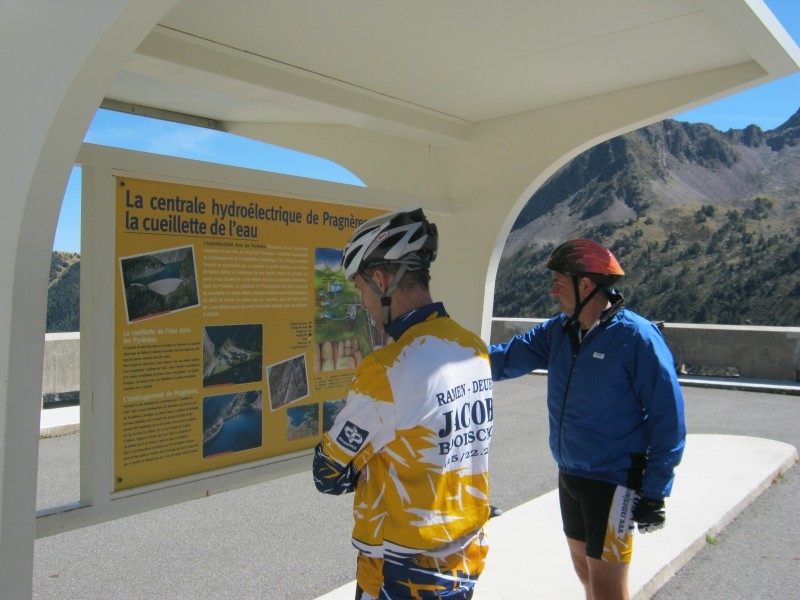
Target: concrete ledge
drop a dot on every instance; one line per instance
(59, 421)
(758, 352)
(761, 386)
(720, 476)
(764, 386)
(60, 430)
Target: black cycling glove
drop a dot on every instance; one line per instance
(649, 514)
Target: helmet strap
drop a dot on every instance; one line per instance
(386, 298)
(579, 305)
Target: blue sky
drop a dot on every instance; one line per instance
(121, 130)
(767, 106)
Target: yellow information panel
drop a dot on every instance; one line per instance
(236, 332)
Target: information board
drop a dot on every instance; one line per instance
(236, 334)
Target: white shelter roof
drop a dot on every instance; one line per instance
(428, 71)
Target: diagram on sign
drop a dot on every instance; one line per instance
(343, 332)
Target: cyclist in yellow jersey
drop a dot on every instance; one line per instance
(413, 439)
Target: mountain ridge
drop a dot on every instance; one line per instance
(673, 201)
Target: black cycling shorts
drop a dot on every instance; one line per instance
(600, 514)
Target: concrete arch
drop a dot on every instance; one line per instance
(53, 85)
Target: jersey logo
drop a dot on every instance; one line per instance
(598, 355)
(352, 437)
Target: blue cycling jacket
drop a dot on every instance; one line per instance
(613, 404)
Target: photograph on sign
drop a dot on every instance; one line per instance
(159, 283)
(288, 381)
(302, 422)
(232, 354)
(232, 423)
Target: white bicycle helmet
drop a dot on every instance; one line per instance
(405, 237)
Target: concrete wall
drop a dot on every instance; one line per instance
(62, 363)
(757, 352)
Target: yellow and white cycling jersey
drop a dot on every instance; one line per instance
(413, 439)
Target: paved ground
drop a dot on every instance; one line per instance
(757, 555)
(281, 540)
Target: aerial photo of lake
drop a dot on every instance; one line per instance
(302, 422)
(232, 423)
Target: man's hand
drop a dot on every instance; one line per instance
(649, 514)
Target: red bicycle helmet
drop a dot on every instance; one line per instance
(586, 258)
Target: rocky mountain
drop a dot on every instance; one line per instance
(705, 223)
(63, 294)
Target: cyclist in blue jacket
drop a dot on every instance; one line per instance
(615, 408)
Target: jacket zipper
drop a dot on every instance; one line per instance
(576, 346)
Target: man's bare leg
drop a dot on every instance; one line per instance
(577, 551)
(602, 580)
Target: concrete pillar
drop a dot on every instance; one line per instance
(57, 60)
